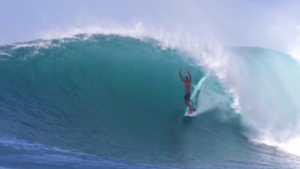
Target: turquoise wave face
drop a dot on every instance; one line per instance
(121, 98)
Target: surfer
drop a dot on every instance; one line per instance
(187, 85)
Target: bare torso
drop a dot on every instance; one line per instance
(187, 86)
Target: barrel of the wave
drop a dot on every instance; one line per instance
(98, 88)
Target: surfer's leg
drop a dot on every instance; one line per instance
(187, 102)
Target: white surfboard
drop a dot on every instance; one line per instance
(191, 115)
(193, 97)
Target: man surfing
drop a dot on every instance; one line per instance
(187, 85)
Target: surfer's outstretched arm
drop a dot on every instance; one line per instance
(180, 75)
(190, 79)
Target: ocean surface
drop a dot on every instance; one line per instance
(111, 101)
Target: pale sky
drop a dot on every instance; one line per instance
(263, 23)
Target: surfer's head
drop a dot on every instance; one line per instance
(186, 79)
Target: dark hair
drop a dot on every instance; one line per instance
(186, 77)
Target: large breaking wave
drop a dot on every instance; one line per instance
(121, 98)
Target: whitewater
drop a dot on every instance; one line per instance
(114, 99)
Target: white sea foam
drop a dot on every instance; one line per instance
(5, 54)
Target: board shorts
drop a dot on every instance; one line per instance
(187, 96)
